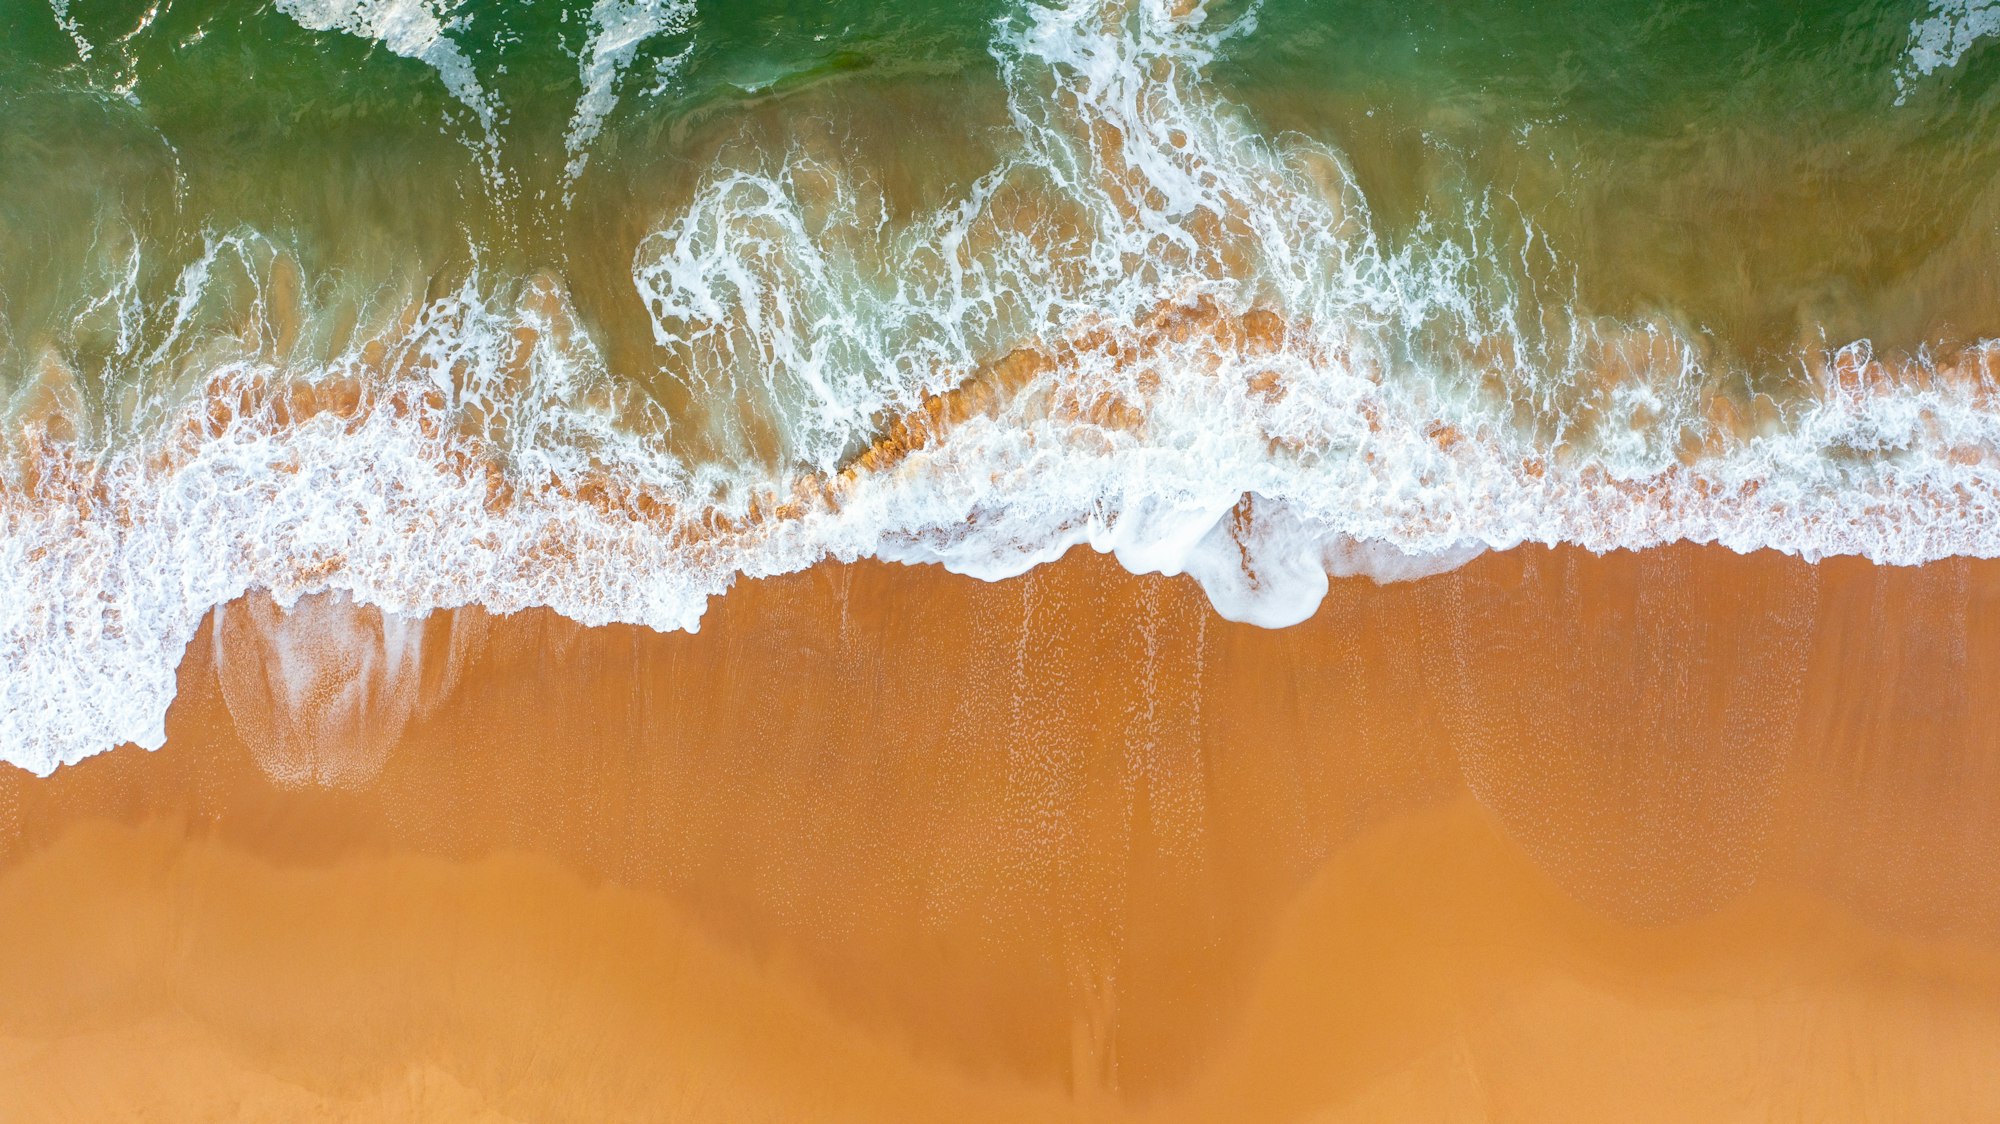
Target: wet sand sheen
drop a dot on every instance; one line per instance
(1676, 835)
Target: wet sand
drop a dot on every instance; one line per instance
(1673, 835)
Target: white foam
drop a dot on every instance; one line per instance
(1137, 217)
(617, 28)
(1942, 38)
(320, 692)
(418, 29)
(66, 21)
(412, 29)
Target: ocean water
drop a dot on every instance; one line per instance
(602, 306)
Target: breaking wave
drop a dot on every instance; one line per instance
(1150, 328)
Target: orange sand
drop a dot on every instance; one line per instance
(1679, 835)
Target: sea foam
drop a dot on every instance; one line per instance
(1942, 38)
(1148, 329)
(617, 28)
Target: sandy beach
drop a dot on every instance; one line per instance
(1674, 835)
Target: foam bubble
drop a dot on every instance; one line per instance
(1943, 37)
(319, 692)
(66, 21)
(617, 29)
(418, 29)
(413, 29)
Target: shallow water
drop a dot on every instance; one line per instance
(600, 307)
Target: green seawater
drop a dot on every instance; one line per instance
(1762, 177)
